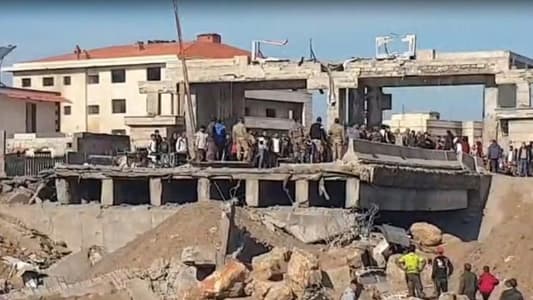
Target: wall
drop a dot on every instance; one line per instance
(82, 226)
(21, 142)
(92, 143)
(12, 116)
(520, 131)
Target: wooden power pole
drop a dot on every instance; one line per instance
(184, 89)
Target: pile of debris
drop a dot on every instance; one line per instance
(25, 251)
(25, 190)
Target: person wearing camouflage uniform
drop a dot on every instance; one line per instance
(297, 138)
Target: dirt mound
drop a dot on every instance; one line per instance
(507, 238)
(20, 242)
(195, 224)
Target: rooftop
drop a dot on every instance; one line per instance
(31, 95)
(206, 46)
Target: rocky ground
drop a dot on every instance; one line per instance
(279, 259)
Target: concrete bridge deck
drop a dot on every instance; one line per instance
(393, 177)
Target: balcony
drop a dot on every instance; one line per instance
(150, 121)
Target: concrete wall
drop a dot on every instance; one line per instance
(92, 143)
(82, 226)
(21, 142)
(520, 131)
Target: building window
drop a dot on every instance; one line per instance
(270, 113)
(118, 76)
(26, 82)
(153, 74)
(93, 109)
(67, 110)
(66, 80)
(48, 81)
(246, 111)
(93, 79)
(118, 131)
(118, 106)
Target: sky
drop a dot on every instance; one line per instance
(338, 29)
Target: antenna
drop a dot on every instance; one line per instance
(4, 51)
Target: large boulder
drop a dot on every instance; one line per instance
(426, 234)
(271, 265)
(226, 282)
(337, 278)
(303, 271)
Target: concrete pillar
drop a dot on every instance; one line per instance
(152, 104)
(374, 107)
(356, 106)
(252, 192)
(204, 189)
(3, 142)
(490, 124)
(338, 108)
(107, 196)
(523, 94)
(352, 193)
(63, 191)
(156, 192)
(301, 193)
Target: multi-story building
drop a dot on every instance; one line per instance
(430, 122)
(103, 88)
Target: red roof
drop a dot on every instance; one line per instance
(206, 46)
(31, 95)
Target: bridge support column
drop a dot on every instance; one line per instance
(490, 123)
(356, 106)
(337, 109)
(374, 112)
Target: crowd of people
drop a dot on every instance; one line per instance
(300, 145)
(470, 284)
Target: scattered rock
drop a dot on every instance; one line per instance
(452, 296)
(20, 196)
(258, 288)
(279, 291)
(5, 188)
(337, 257)
(226, 282)
(426, 234)
(271, 265)
(303, 271)
(337, 278)
(139, 289)
(95, 254)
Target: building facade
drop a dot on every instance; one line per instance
(430, 122)
(29, 111)
(103, 86)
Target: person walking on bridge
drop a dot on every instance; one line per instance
(413, 264)
(337, 138)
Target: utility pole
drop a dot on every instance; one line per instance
(190, 122)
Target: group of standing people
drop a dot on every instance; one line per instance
(441, 270)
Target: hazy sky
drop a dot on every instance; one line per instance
(339, 29)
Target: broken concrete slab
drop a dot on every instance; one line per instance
(271, 265)
(337, 278)
(311, 225)
(139, 289)
(194, 255)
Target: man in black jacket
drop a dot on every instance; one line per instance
(442, 269)
(318, 137)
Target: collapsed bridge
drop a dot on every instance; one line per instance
(394, 178)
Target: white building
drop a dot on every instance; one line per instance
(103, 88)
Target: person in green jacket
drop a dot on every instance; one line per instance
(468, 283)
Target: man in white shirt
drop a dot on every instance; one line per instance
(276, 149)
(200, 144)
(182, 152)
